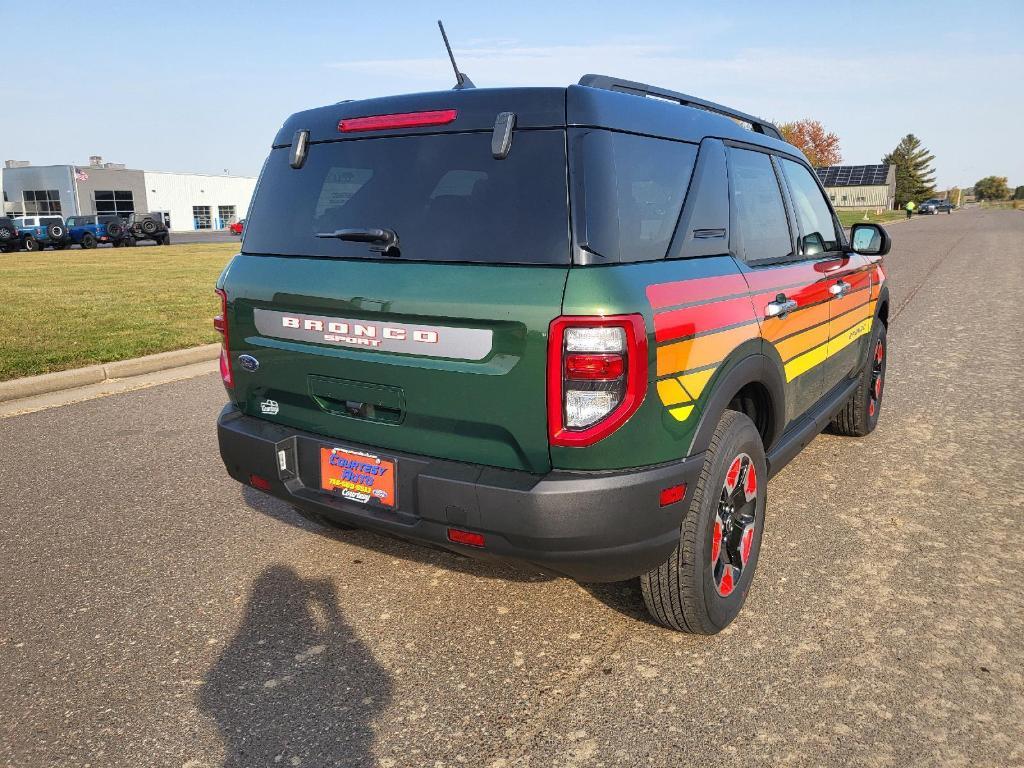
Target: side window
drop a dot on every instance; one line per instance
(817, 227)
(759, 215)
(631, 189)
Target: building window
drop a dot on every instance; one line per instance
(115, 202)
(41, 201)
(201, 217)
(225, 215)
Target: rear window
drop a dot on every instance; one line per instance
(629, 192)
(444, 195)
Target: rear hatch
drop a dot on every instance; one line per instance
(397, 288)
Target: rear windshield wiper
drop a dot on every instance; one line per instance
(385, 240)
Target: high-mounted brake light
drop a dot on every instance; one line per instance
(597, 376)
(400, 120)
(220, 324)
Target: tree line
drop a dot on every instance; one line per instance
(915, 172)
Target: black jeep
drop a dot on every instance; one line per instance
(148, 226)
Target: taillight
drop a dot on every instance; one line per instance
(400, 120)
(597, 376)
(220, 323)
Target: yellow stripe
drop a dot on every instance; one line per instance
(681, 414)
(805, 362)
(819, 354)
(845, 339)
(694, 383)
(671, 393)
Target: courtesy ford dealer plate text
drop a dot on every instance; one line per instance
(359, 477)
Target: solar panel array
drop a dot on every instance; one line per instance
(853, 175)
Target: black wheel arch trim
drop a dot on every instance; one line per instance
(750, 368)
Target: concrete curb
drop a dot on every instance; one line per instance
(96, 374)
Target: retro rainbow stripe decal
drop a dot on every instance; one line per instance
(698, 322)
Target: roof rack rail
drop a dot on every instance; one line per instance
(642, 89)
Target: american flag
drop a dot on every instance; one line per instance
(81, 175)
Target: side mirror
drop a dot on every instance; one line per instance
(869, 239)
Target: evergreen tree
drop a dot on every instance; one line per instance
(915, 177)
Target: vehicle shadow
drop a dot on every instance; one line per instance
(295, 686)
(391, 546)
(623, 596)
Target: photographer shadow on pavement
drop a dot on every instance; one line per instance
(295, 686)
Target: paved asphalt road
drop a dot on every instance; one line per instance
(154, 613)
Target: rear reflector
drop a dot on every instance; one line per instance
(260, 483)
(581, 366)
(220, 324)
(401, 120)
(468, 538)
(672, 494)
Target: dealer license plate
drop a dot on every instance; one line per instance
(357, 476)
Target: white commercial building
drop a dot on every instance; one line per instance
(188, 201)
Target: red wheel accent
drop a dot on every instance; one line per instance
(879, 352)
(726, 587)
(871, 408)
(733, 474)
(750, 486)
(716, 541)
(746, 543)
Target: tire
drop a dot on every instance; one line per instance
(149, 226)
(323, 520)
(696, 590)
(55, 233)
(859, 416)
(6, 235)
(128, 242)
(31, 244)
(88, 240)
(114, 230)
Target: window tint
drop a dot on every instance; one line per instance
(632, 190)
(445, 196)
(817, 228)
(760, 216)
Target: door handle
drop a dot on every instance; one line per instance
(780, 306)
(839, 288)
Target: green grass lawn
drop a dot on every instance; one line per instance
(65, 309)
(849, 218)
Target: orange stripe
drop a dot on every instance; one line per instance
(776, 328)
(796, 345)
(849, 301)
(702, 350)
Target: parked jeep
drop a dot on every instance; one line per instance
(38, 232)
(148, 226)
(90, 231)
(574, 327)
(10, 239)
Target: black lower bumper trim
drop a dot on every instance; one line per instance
(589, 526)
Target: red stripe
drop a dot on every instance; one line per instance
(703, 317)
(698, 289)
(802, 295)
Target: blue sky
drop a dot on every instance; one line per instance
(204, 86)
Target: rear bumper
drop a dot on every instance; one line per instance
(589, 526)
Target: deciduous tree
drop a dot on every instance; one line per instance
(992, 188)
(810, 136)
(915, 177)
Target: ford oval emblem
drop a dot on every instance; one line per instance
(248, 362)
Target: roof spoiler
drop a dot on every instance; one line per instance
(642, 89)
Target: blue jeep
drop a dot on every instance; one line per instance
(38, 232)
(90, 231)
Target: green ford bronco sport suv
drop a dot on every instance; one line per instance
(579, 328)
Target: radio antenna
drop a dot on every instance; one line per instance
(461, 80)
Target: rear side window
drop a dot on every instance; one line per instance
(444, 195)
(759, 216)
(629, 190)
(817, 227)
